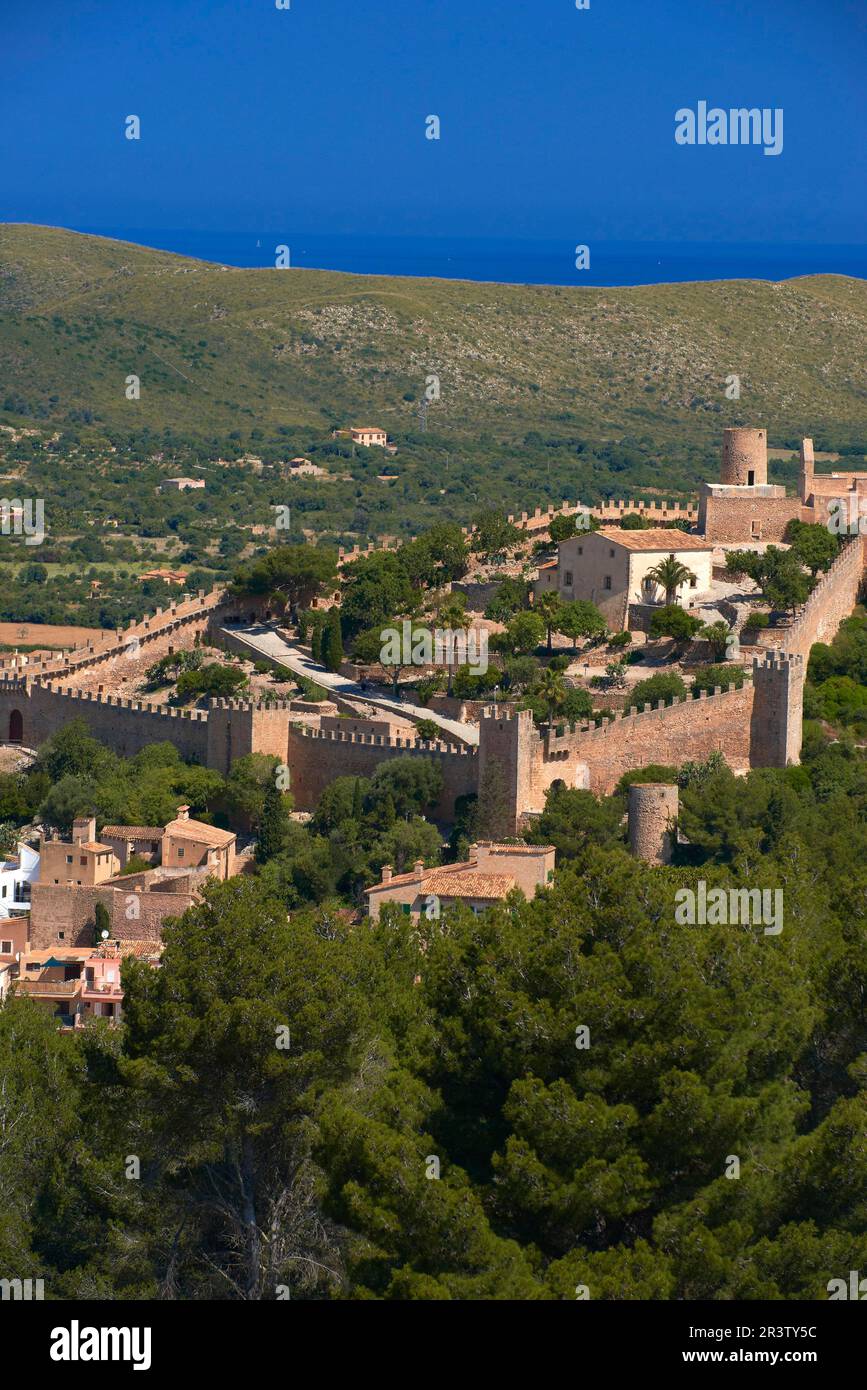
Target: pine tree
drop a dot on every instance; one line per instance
(273, 826)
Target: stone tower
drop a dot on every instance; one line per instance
(744, 457)
(778, 710)
(653, 808)
(506, 738)
(808, 468)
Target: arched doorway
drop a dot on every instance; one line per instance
(16, 726)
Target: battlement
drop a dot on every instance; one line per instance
(253, 706)
(596, 728)
(413, 745)
(90, 697)
(148, 629)
(505, 712)
(656, 509)
(777, 659)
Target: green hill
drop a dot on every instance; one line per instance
(221, 349)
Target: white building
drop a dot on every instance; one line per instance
(16, 876)
(611, 567)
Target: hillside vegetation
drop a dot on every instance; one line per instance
(218, 348)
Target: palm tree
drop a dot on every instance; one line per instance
(550, 689)
(671, 574)
(548, 607)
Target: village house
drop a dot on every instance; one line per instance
(181, 484)
(611, 568)
(368, 435)
(486, 878)
(303, 468)
(82, 861)
(77, 876)
(191, 844)
(77, 984)
(167, 576)
(16, 876)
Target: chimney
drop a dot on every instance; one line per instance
(183, 813)
(418, 868)
(83, 829)
(387, 872)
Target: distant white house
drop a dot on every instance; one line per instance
(16, 876)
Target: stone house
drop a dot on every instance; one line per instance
(487, 877)
(611, 568)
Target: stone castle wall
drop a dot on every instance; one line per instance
(731, 518)
(127, 726)
(65, 916)
(669, 734)
(832, 600)
(316, 758)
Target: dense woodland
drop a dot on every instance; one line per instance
(304, 1160)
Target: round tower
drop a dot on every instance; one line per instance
(653, 808)
(745, 457)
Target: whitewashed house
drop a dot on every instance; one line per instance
(16, 876)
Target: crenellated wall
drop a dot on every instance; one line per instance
(316, 758)
(832, 600)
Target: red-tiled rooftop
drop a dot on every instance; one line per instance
(654, 538)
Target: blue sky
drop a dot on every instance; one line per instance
(555, 122)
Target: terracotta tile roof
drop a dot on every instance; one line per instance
(142, 950)
(199, 831)
(134, 832)
(397, 879)
(92, 844)
(468, 885)
(655, 538)
(493, 848)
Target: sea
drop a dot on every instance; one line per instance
(505, 261)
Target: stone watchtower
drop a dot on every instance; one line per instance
(506, 743)
(778, 710)
(744, 458)
(653, 808)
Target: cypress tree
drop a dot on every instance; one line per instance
(273, 825)
(332, 643)
(316, 641)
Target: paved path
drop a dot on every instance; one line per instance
(268, 641)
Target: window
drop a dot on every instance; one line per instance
(5, 948)
(181, 852)
(61, 935)
(4, 890)
(568, 578)
(580, 550)
(693, 582)
(406, 909)
(83, 859)
(606, 583)
(69, 858)
(611, 554)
